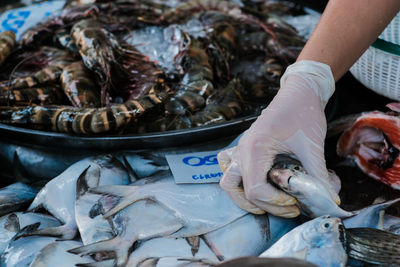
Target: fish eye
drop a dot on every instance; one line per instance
(327, 225)
(297, 168)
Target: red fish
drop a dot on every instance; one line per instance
(374, 142)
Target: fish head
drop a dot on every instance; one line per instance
(289, 179)
(324, 231)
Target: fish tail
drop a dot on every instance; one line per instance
(37, 202)
(128, 195)
(114, 244)
(106, 263)
(63, 232)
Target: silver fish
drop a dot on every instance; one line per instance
(263, 262)
(92, 227)
(21, 252)
(313, 195)
(373, 217)
(143, 220)
(143, 164)
(201, 207)
(12, 223)
(163, 210)
(36, 163)
(173, 262)
(318, 241)
(15, 197)
(55, 254)
(58, 196)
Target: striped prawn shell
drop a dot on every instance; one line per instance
(7, 43)
(349, 145)
(46, 95)
(82, 121)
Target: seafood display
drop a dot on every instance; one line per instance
(126, 210)
(97, 68)
(101, 69)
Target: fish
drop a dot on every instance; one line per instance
(173, 262)
(202, 207)
(262, 262)
(15, 197)
(143, 164)
(373, 246)
(313, 194)
(319, 241)
(251, 231)
(55, 254)
(158, 207)
(12, 223)
(373, 141)
(22, 251)
(38, 163)
(58, 196)
(92, 227)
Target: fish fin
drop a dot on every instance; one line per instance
(107, 263)
(84, 182)
(132, 174)
(27, 230)
(194, 242)
(114, 244)
(127, 193)
(12, 223)
(63, 232)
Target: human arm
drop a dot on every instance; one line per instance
(294, 122)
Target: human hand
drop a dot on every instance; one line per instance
(293, 123)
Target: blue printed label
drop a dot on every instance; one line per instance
(198, 167)
(20, 19)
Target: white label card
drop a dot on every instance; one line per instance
(20, 19)
(197, 167)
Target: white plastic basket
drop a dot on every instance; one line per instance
(379, 67)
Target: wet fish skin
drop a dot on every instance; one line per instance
(312, 194)
(21, 252)
(59, 195)
(170, 247)
(12, 223)
(143, 164)
(263, 262)
(213, 211)
(15, 197)
(373, 217)
(142, 220)
(92, 228)
(318, 241)
(55, 254)
(36, 163)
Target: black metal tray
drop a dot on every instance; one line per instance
(22, 136)
(140, 141)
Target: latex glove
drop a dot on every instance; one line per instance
(295, 123)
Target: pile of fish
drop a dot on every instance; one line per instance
(127, 210)
(126, 66)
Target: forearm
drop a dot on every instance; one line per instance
(345, 30)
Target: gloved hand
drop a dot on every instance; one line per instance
(294, 123)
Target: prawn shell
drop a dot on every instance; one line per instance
(7, 43)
